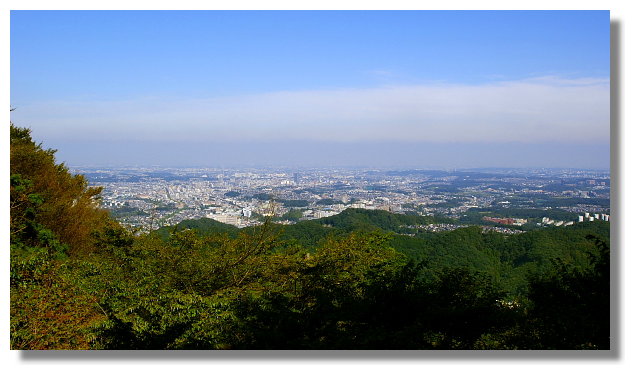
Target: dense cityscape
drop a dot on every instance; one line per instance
(148, 198)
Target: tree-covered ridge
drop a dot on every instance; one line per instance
(79, 280)
(362, 219)
(203, 226)
(509, 259)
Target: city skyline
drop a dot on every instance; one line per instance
(428, 89)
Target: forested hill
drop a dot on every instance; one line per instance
(509, 259)
(80, 280)
(361, 219)
(311, 232)
(203, 226)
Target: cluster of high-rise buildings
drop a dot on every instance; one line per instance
(595, 216)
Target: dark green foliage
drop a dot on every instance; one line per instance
(203, 226)
(390, 309)
(570, 309)
(353, 219)
(126, 211)
(308, 234)
(292, 215)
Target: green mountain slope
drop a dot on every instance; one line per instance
(204, 226)
(353, 219)
(508, 259)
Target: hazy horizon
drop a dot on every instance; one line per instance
(420, 89)
(320, 154)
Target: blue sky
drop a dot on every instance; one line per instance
(181, 80)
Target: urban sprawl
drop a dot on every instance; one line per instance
(148, 198)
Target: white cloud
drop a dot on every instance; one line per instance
(532, 110)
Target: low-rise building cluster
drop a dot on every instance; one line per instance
(152, 197)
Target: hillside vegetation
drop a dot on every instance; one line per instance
(79, 280)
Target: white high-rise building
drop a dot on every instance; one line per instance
(246, 212)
